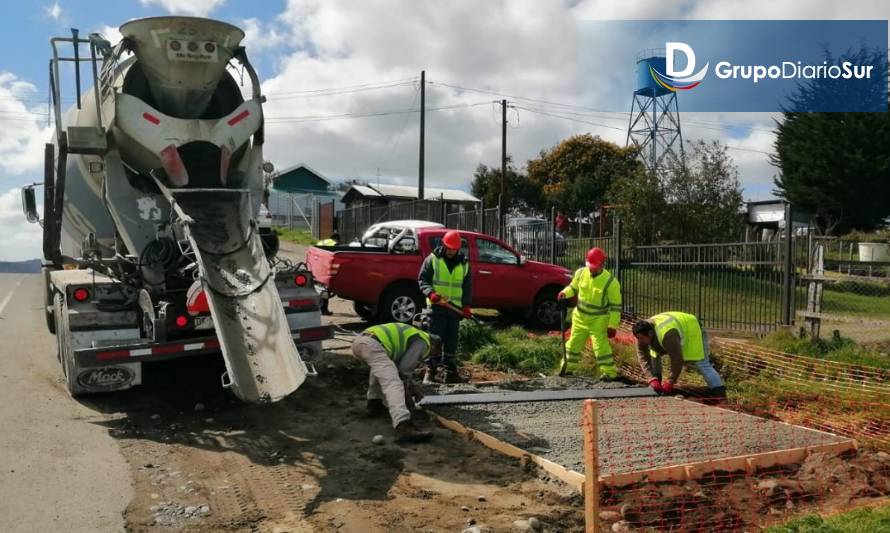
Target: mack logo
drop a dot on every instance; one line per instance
(108, 378)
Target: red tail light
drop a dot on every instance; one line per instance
(81, 294)
(182, 321)
(300, 280)
(196, 300)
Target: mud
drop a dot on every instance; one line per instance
(634, 434)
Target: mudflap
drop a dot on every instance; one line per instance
(262, 361)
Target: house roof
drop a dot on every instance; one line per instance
(307, 167)
(410, 192)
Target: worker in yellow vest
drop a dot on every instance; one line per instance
(681, 337)
(596, 315)
(332, 240)
(444, 278)
(393, 351)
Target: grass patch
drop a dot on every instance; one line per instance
(472, 336)
(298, 236)
(513, 349)
(857, 521)
(837, 348)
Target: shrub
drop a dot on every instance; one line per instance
(472, 337)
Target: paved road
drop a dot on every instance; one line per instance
(59, 469)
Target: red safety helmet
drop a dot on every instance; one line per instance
(596, 258)
(452, 240)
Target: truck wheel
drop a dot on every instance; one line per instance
(400, 304)
(365, 311)
(545, 311)
(63, 338)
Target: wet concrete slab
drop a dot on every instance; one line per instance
(635, 434)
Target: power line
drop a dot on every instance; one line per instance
(316, 118)
(336, 92)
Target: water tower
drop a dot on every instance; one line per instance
(654, 126)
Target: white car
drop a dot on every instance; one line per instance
(381, 233)
(264, 219)
(267, 235)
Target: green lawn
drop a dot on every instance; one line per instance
(298, 236)
(869, 520)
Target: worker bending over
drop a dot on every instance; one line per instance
(393, 351)
(596, 315)
(680, 336)
(444, 279)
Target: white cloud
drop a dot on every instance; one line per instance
(53, 11)
(19, 239)
(260, 36)
(197, 8)
(23, 126)
(111, 33)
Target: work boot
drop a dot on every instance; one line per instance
(715, 396)
(375, 408)
(429, 376)
(453, 376)
(408, 432)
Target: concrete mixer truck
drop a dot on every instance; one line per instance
(152, 184)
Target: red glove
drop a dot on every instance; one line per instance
(667, 387)
(655, 385)
(435, 298)
(611, 332)
(467, 312)
(560, 296)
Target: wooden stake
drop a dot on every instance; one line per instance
(591, 468)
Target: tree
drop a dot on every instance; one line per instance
(575, 174)
(486, 185)
(835, 166)
(704, 197)
(638, 200)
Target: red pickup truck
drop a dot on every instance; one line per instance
(382, 281)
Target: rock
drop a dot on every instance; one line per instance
(465, 509)
(154, 508)
(148, 465)
(378, 439)
(534, 523)
(523, 525)
(481, 498)
(191, 510)
(204, 509)
(471, 521)
(155, 416)
(610, 516)
(621, 527)
(199, 407)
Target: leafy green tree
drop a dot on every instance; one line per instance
(638, 199)
(575, 174)
(704, 197)
(835, 166)
(486, 186)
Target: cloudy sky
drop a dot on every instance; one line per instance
(342, 80)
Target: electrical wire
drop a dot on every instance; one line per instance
(316, 118)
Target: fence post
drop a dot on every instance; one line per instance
(814, 292)
(551, 238)
(617, 235)
(481, 219)
(442, 206)
(788, 281)
(591, 468)
(698, 278)
(501, 216)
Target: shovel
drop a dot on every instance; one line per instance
(562, 336)
(455, 309)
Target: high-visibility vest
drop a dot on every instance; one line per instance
(448, 283)
(395, 337)
(689, 329)
(326, 242)
(593, 293)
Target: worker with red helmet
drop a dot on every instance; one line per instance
(596, 315)
(445, 281)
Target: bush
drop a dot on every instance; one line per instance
(472, 337)
(859, 287)
(512, 349)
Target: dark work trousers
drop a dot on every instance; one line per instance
(445, 324)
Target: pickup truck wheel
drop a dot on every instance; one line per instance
(545, 311)
(365, 311)
(400, 304)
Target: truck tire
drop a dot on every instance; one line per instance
(400, 303)
(545, 311)
(63, 338)
(49, 304)
(365, 311)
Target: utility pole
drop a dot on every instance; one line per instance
(504, 148)
(422, 121)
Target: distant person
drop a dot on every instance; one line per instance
(596, 316)
(332, 240)
(681, 337)
(562, 223)
(444, 278)
(393, 351)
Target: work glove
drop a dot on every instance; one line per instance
(467, 312)
(667, 387)
(611, 332)
(655, 385)
(435, 298)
